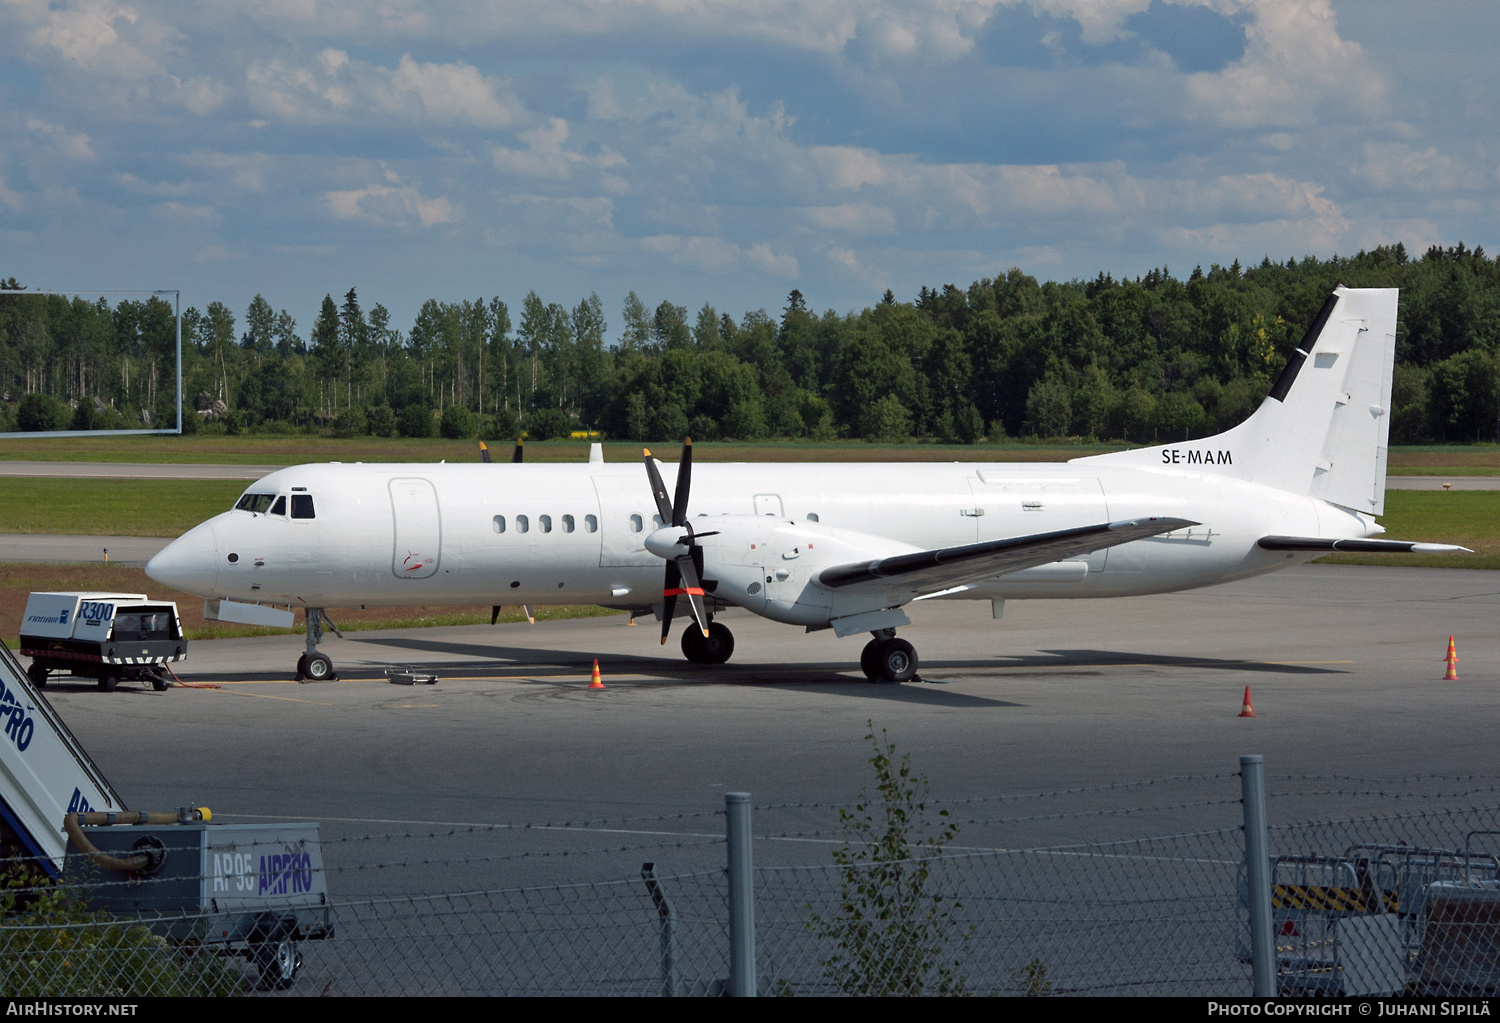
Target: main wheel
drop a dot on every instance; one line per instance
(694, 646)
(318, 668)
(109, 682)
(719, 645)
(278, 962)
(38, 674)
(896, 661)
(867, 659)
(301, 667)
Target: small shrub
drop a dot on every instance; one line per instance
(893, 931)
(350, 422)
(415, 421)
(51, 945)
(39, 412)
(458, 423)
(381, 421)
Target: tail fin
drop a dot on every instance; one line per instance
(1324, 428)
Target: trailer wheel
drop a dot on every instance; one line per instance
(160, 682)
(278, 962)
(38, 674)
(109, 682)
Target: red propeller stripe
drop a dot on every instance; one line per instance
(691, 589)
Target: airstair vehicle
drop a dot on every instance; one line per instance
(255, 890)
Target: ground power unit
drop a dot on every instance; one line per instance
(108, 637)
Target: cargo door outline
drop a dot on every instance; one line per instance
(418, 528)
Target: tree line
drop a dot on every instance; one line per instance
(1154, 358)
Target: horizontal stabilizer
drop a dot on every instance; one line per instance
(1317, 543)
(924, 571)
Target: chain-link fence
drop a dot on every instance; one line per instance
(1117, 889)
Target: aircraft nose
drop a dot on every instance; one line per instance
(189, 563)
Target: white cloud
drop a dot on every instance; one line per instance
(137, 184)
(854, 218)
(335, 87)
(1390, 165)
(216, 254)
(244, 171)
(182, 213)
(9, 197)
(73, 145)
(714, 254)
(390, 204)
(1296, 69)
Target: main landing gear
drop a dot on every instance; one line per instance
(888, 659)
(314, 666)
(714, 648)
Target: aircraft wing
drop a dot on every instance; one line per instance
(926, 571)
(1316, 543)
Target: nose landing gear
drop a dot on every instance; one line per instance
(314, 666)
(888, 659)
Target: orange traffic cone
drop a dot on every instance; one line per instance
(1247, 711)
(1452, 660)
(594, 681)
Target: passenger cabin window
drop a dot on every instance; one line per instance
(522, 524)
(279, 508)
(591, 523)
(635, 523)
(255, 502)
(567, 521)
(498, 523)
(544, 523)
(302, 506)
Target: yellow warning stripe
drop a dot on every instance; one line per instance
(1344, 900)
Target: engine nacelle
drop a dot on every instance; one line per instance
(770, 565)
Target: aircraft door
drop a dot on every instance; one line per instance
(419, 530)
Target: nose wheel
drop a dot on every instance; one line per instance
(314, 666)
(713, 649)
(888, 659)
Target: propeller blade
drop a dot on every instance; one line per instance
(684, 482)
(669, 599)
(658, 488)
(494, 614)
(484, 456)
(692, 585)
(515, 456)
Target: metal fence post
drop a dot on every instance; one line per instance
(668, 927)
(741, 896)
(1258, 875)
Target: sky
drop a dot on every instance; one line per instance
(725, 152)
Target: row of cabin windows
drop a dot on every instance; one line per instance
(522, 523)
(275, 504)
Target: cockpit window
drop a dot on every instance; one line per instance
(302, 506)
(279, 508)
(255, 502)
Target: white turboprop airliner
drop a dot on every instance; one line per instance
(825, 546)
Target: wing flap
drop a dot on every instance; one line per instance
(1353, 546)
(922, 571)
